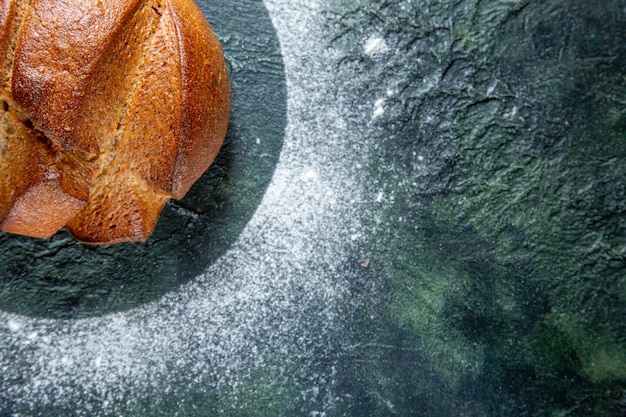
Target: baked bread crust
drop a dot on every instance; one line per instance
(110, 109)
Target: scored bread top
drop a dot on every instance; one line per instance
(125, 102)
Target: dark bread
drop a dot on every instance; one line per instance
(109, 110)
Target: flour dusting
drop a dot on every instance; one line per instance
(270, 303)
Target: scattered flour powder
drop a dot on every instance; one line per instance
(270, 298)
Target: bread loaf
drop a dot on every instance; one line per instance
(109, 109)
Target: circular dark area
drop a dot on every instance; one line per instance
(61, 278)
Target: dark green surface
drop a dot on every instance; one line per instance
(505, 248)
(60, 278)
(491, 276)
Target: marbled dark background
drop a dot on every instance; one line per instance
(484, 272)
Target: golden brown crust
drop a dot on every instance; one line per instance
(60, 48)
(7, 22)
(12, 15)
(32, 193)
(204, 75)
(108, 112)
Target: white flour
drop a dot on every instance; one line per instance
(272, 298)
